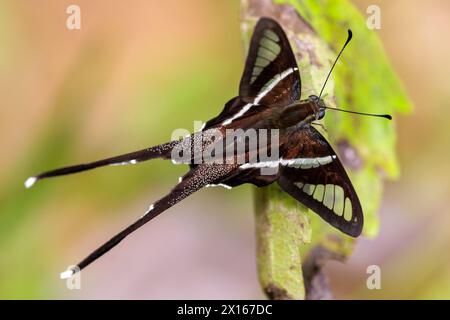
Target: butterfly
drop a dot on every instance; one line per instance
(306, 166)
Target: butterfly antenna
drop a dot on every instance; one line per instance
(350, 34)
(386, 116)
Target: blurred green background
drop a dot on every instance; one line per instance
(139, 69)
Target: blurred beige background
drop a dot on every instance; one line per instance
(139, 69)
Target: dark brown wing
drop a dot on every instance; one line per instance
(270, 78)
(231, 108)
(326, 189)
(270, 58)
(193, 181)
(162, 151)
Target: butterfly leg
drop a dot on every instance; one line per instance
(320, 125)
(193, 181)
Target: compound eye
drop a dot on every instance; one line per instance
(321, 113)
(313, 97)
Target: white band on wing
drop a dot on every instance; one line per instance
(264, 91)
(299, 163)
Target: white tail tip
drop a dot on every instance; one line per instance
(30, 181)
(66, 274)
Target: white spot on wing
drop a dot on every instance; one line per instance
(266, 53)
(202, 127)
(271, 35)
(257, 70)
(318, 193)
(219, 185)
(328, 200)
(261, 62)
(124, 163)
(30, 181)
(299, 184)
(338, 200)
(225, 186)
(308, 189)
(348, 209)
(66, 274)
(271, 45)
(148, 210)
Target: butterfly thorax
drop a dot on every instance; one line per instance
(302, 112)
(296, 114)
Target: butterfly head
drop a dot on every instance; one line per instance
(318, 106)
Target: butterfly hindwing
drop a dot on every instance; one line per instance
(271, 74)
(326, 189)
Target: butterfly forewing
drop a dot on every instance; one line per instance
(271, 74)
(271, 77)
(324, 187)
(231, 108)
